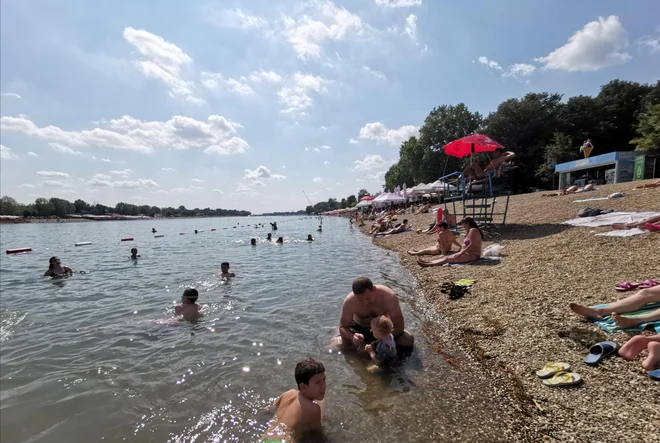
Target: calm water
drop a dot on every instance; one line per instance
(98, 356)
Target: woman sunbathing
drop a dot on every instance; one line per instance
(655, 184)
(640, 224)
(397, 230)
(571, 190)
(471, 250)
(443, 246)
(629, 304)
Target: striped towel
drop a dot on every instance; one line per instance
(608, 324)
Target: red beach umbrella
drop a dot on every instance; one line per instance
(472, 144)
(366, 198)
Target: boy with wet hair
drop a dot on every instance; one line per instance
(134, 254)
(297, 410)
(188, 308)
(224, 267)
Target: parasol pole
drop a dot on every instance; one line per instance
(444, 171)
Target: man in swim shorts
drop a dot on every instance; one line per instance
(366, 302)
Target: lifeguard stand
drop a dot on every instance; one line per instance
(486, 201)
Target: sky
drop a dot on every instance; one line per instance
(246, 104)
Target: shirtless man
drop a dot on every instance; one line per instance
(366, 302)
(500, 157)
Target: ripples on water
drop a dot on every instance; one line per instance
(100, 356)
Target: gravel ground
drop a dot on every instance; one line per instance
(517, 317)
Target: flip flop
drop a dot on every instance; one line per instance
(649, 284)
(599, 351)
(626, 286)
(563, 379)
(655, 374)
(465, 282)
(652, 227)
(553, 368)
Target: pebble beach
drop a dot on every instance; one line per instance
(517, 318)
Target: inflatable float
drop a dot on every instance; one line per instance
(83, 243)
(127, 239)
(18, 250)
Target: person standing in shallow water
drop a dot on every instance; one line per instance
(56, 269)
(366, 302)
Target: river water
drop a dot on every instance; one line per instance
(99, 357)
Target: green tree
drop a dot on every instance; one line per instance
(43, 207)
(648, 129)
(560, 150)
(61, 207)
(362, 193)
(81, 207)
(309, 209)
(351, 201)
(9, 206)
(343, 204)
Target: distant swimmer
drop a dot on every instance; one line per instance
(320, 229)
(188, 308)
(297, 410)
(269, 237)
(280, 240)
(55, 268)
(196, 230)
(253, 242)
(273, 226)
(224, 267)
(134, 254)
(153, 230)
(309, 237)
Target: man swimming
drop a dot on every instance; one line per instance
(366, 302)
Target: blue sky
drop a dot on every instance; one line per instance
(245, 104)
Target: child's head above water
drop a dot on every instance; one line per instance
(189, 296)
(133, 251)
(224, 267)
(310, 379)
(382, 327)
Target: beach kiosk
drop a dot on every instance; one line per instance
(613, 167)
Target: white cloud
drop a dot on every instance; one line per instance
(63, 149)
(651, 42)
(323, 128)
(326, 147)
(382, 134)
(218, 191)
(398, 3)
(122, 173)
(32, 154)
(369, 163)
(101, 177)
(600, 44)
(244, 189)
(262, 172)
(26, 185)
(164, 62)
(519, 70)
(53, 174)
(317, 180)
(326, 162)
(353, 141)
(236, 18)
(54, 183)
(376, 177)
(106, 160)
(196, 188)
(375, 73)
(330, 22)
(215, 135)
(295, 97)
(411, 27)
(12, 95)
(267, 76)
(6, 154)
(212, 80)
(283, 167)
(196, 180)
(140, 183)
(492, 64)
(168, 169)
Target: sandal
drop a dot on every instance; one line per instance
(649, 284)
(563, 379)
(599, 351)
(553, 368)
(626, 286)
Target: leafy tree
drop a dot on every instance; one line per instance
(61, 207)
(560, 150)
(342, 203)
(9, 206)
(351, 201)
(309, 209)
(44, 208)
(648, 128)
(81, 207)
(362, 193)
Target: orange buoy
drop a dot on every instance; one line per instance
(18, 250)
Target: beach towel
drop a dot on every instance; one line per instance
(623, 232)
(483, 261)
(402, 232)
(608, 324)
(610, 219)
(590, 199)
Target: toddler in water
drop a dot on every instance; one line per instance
(297, 410)
(383, 350)
(188, 308)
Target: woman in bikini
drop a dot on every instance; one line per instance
(55, 268)
(471, 250)
(446, 240)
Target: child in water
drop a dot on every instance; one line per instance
(188, 308)
(383, 350)
(253, 242)
(224, 267)
(280, 240)
(297, 410)
(309, 237)
(134, 254)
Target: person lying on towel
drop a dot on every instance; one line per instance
(631, 303)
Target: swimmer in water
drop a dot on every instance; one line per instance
(280, 240)
(320, 229)
(253, 242)
(383, 350)
(196, 230)
(224, 267)
(269, 237)
(153, 230)
(188, 308)
(298, 412)
(55, 268)
(134, 254)
(309, 237)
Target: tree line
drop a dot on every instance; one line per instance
(333, 204)
(58, 207)
(540, 128)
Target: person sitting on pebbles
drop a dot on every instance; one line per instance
(446, 239)
(471, 250)
(401, 227)
(631, 303)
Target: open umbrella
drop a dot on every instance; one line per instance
(472, 144)
(366, 198)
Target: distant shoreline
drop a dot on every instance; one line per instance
(22, 220)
